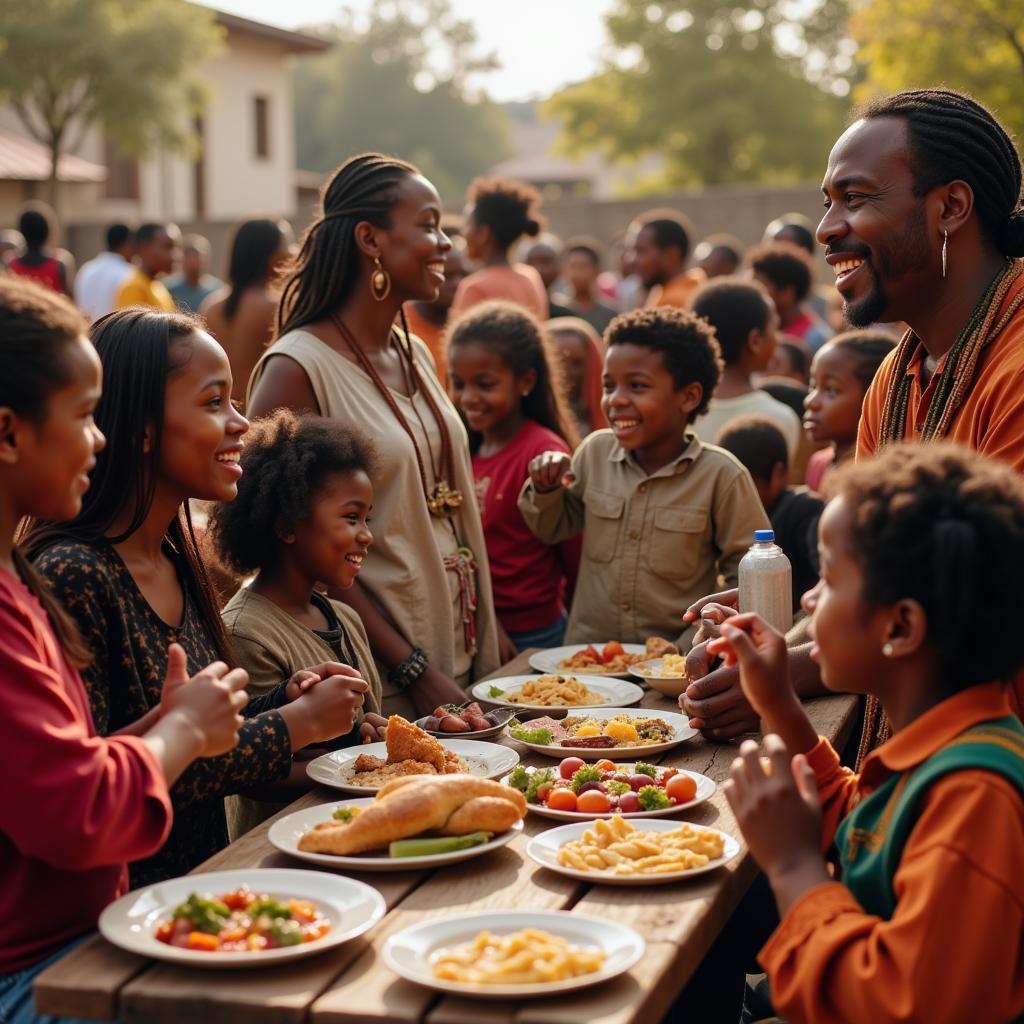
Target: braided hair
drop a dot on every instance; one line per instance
(327, 266)
(953, 137)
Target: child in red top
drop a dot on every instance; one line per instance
(76, 806)
(505, 382)
(841, 372)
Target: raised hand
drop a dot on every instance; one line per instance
(209, 703)
(549, 471)
(775, 800)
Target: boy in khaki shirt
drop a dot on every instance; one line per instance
(663, 515)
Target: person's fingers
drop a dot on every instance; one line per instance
(177, 666)
(356, 683)
(717, 705)
(740, 643)
(568, 479)
(806, 781)
(733, 793)
(778, 755)
(729, 598)
(237, 679)
(748, 760)
(714, 682)
(239, 699)
(214, 670)
(698, 661)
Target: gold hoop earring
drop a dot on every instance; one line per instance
(380, 281)
(945, 243)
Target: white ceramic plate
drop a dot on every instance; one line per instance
(487, 760)
(647, 669)
(705, 788)
(285, 834)
(544, 848)
(408, 952)
(550, 660)
(130, 922)
(678, 722)
(616, 692)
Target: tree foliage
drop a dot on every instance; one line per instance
(724, 91)
(973, 45)
(70, 64)
(397, 83)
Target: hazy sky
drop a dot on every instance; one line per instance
(542, 44)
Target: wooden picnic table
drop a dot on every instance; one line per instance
(350, 984)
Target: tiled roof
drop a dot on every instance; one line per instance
(26, 160)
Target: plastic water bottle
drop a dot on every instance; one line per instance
(766, 581)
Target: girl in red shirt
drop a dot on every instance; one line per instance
(507, 386)
(77, 806)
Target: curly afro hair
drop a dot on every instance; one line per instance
(686, 343)
(287, 459)
(507, 207)
(944, 527)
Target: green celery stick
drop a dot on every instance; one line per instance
(436, 844)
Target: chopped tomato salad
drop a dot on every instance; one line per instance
(242, 922)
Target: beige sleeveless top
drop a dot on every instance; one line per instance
(404, 571)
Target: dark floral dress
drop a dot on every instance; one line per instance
(126, 678)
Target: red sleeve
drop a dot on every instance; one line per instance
(81, 801)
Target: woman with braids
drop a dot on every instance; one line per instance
(499, 212)
(923, 224)
(424, 591)
(127, 570)
(241, 315)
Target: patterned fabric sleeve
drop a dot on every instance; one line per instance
(81, 580)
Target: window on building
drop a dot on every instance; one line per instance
(122, 174)
(261, 112)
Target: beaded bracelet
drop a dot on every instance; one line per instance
(407, 672)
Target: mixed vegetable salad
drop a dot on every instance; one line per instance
(604, 787)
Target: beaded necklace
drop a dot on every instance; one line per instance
(442, 499)
(957, 374)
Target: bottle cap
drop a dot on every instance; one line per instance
(764, 536)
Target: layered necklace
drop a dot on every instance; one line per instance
(443, 499)
(957, 375)
(951, 387)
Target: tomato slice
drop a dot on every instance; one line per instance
(611, 651)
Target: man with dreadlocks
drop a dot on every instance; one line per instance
(923, 224)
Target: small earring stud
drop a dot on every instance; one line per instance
(888, 650)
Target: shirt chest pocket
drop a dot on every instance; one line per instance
(603, 523)
(676, 546)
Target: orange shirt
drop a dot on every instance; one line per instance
(952, 951)
(432, 335)
(990, 419)
(520, 284)
(678, 291)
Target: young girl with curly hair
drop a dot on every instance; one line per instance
(921, 550)
(300, 522)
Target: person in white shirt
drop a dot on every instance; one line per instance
(99, 280)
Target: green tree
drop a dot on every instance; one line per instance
(70, 64)
(398, 84)
(973, 45)
(724, 91)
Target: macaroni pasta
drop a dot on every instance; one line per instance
(554, 691)
(525, 957)
(614, 846)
